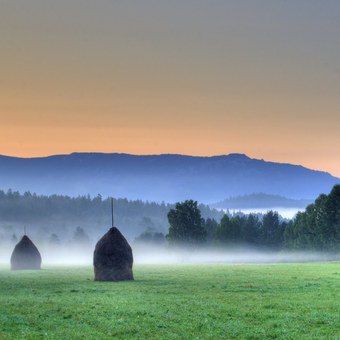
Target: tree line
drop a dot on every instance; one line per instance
(62, 214)
(188, 227)
(317, 228)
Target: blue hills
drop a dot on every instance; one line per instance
(166, 177)
(261, 201)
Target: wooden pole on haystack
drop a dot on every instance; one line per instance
(112, 210)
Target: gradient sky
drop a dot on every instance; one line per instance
(191, 77)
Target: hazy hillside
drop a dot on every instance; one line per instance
(44, 215)
(159, 178)
(260, 200)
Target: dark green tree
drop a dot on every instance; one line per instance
(210, 226)
(272, 230)
(251, 229)
(186, 224)
(331, 220)
(150, 235)
(317, 228)
(229, 230)
(289, 235)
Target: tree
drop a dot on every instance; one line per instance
(54, 240)
(186, 224)
(272, 230)
(80, 236)
(289, 235)
(210, 226)
(251, 229)
(14, 238)
(331, 225)
(229, 230)
(150, 235)
(318, 227)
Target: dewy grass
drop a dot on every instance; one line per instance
(217, 301)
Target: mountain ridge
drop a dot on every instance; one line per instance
(163, 177)
(231, 155)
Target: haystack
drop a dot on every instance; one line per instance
(25, 255)
(112, 258)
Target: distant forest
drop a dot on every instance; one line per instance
(63, 218)
(315, 229)
(61, 215)
(261, 200)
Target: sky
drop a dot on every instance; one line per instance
(259, 77)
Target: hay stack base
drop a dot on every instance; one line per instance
(25, 255)
(112, 258)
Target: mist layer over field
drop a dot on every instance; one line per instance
(151, 254)
(284, 212)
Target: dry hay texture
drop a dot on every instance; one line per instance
(25, 255)
(112, 258)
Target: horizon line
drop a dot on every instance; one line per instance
(165, 154)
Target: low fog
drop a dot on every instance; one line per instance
(80, 254)
(287, 213)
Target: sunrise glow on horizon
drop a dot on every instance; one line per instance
(196, 78)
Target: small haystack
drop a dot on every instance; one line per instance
(112, 258)
(25, 255)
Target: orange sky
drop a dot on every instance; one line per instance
(199, 78)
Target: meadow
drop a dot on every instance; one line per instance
(210, 301)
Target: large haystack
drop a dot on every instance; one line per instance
(112, 258)
(25, 255)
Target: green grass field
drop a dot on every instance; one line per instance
(292, 301)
